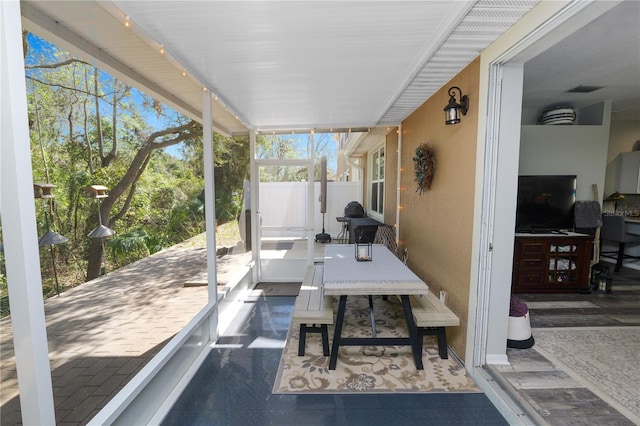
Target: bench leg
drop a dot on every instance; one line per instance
(440, 333)
(420, 343)
(303, 339)
(323, 330)
(325, 339)
(414, 334)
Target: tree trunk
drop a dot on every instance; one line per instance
(127, 184)
(94, 258)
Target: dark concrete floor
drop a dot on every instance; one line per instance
(234, 384)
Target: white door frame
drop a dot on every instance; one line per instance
(290, 271)
(500, 102)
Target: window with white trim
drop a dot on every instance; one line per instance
(377, 182)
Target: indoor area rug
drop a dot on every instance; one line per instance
(372, 369)
(606, 360)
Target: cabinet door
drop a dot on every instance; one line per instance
(551, 264)
(629, 182)
(563, 263)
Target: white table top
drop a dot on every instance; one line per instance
(385, 274)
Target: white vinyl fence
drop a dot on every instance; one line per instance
(284, 204)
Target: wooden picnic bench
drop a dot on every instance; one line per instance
(431, 316)
(313, 310)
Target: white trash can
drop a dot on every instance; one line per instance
(519, 334)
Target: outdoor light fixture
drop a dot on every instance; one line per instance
(127, 22)
(453, 109)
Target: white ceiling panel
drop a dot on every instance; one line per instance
(301, 64)
(282, 65)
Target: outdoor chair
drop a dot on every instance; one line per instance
(386, 236)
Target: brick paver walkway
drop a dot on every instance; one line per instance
(103, 332)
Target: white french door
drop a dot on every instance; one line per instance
(285, 240)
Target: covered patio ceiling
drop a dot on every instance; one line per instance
(280, 65)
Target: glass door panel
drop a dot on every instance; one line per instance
(284, 226)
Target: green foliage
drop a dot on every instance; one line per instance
(4, 297)
(4, 306)
(75, 142)
(128, 247)
(231, 169)
(284, 147)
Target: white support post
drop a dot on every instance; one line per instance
(210, 204)
(399, 184)
(255, 216)
(19, 231)
(311, 200)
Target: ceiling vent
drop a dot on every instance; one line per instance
(584, 89)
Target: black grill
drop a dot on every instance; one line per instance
(354, 209)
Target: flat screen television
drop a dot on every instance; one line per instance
(545, 203)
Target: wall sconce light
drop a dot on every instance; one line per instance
(453, 109)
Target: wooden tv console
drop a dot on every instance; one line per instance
(551, 263)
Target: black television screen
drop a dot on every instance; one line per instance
(545, 203)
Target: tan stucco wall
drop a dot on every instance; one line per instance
(390, 178)
(437, 225)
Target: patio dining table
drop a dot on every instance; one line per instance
(384, 275)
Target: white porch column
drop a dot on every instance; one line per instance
(399, 183)
(311, 199)
(255, 217)
(210, 204)
(19, 231)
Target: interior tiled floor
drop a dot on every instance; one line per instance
(233, 387)
(554, 395)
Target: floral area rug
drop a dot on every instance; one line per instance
(370, 369)
(604, 359)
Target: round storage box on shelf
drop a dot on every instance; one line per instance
(557, 115)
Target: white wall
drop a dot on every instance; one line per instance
(339, 194)
(623, 135)
(568, 150)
